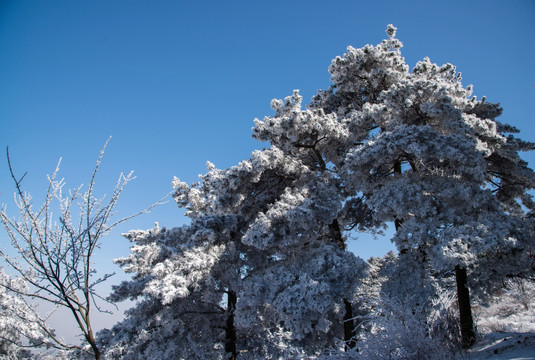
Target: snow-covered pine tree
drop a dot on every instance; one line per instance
(434, 162)
(262, 271)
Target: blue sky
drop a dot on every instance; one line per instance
(179, 83)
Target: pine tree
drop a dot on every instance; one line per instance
(257, 272)
(262, 268)
(434, 162)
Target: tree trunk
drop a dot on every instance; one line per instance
(334, 227)
(96, 350)
(93, 343)
(230, 330)
(349, 323)
(465, 311)
(349, 327)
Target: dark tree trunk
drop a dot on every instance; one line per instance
(465, 311)
(397, 167)
(230, 330)
(349, 327)
(94, 347)
(337, 234)
(349, 323)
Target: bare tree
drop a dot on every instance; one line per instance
(56, 255)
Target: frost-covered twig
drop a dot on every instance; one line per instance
(55, 257)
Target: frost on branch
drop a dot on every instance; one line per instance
(55, 255)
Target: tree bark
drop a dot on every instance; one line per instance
(337, 234)
(349, 323)
(349, 327)
(230, 329)
(465, 311)
(96, 351)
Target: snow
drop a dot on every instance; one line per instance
(507, 324)
(504, 346)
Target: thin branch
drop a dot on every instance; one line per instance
(57, 257)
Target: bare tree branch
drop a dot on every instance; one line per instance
(55, 257)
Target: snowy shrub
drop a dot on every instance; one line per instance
(21, 328)
(400, 332)
(397, 330)
(511, 310)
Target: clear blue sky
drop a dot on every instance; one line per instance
(178, 83)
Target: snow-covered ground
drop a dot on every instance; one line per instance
(503, 346)
(507, 325)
